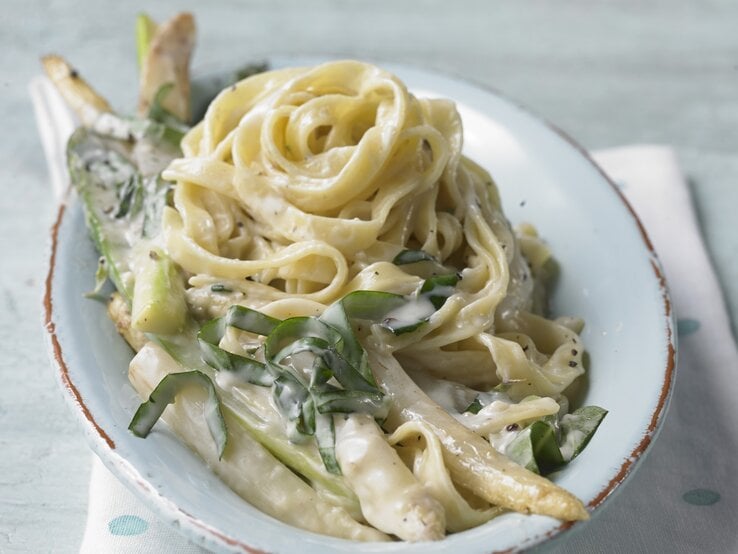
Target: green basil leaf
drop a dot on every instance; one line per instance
(437, 289)
(250, 320)
(577, 428)
(166, 392)
(349, 401)
(219, 287)
(536, 449)
(474, 407)
(413, 256)
(325, 436)
(245, 369)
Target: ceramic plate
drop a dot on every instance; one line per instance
(609, 276)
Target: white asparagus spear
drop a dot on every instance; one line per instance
(246, 467)
(473, 462)
(391, 498)
(81, 97)
(168, 61)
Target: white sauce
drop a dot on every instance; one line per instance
(414, 310)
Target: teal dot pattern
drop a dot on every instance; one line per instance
(701, 497)
(127, 526)
(687, 327)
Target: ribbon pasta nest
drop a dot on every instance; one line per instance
(354, 334)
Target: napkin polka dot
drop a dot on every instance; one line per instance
(687, 327)
(701, 497)
(127, 525)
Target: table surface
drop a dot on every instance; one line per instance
(608, 73)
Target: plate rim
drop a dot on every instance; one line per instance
(206, 535)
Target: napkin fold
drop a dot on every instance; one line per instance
(684, 497)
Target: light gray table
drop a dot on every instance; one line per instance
(608, 73)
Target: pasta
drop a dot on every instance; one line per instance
(354, 334)
(301, 186)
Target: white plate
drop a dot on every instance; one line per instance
(609, 276)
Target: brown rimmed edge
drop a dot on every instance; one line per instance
(671, 351)
(75, 396)
(50, 327)
(666, 388)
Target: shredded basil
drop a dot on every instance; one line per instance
(339, 379)
(474, 407)
(535, 448)
(129, 196)
(437, 289)
(245, 369)
(219, 287)
(578, 427)
(413, 256)
(166, 392)
(549, 443)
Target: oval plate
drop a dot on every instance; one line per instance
(609, 276)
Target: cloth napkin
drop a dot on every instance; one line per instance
(684, 496)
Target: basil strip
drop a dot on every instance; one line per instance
(474, 407)
(307, 400)
(399, 328)
(536, 449)
(129, 196)
(295, 328)
(219, 287)
(325, 436)
(245, 369)
(437, 289)
(349, 401)
(539, 448)
(169, 387)
(367, 305)
(290, 397)
(413, 256)
(577, 428)
(333, 364)
(250, 320)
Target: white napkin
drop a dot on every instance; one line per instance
(684, 497)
